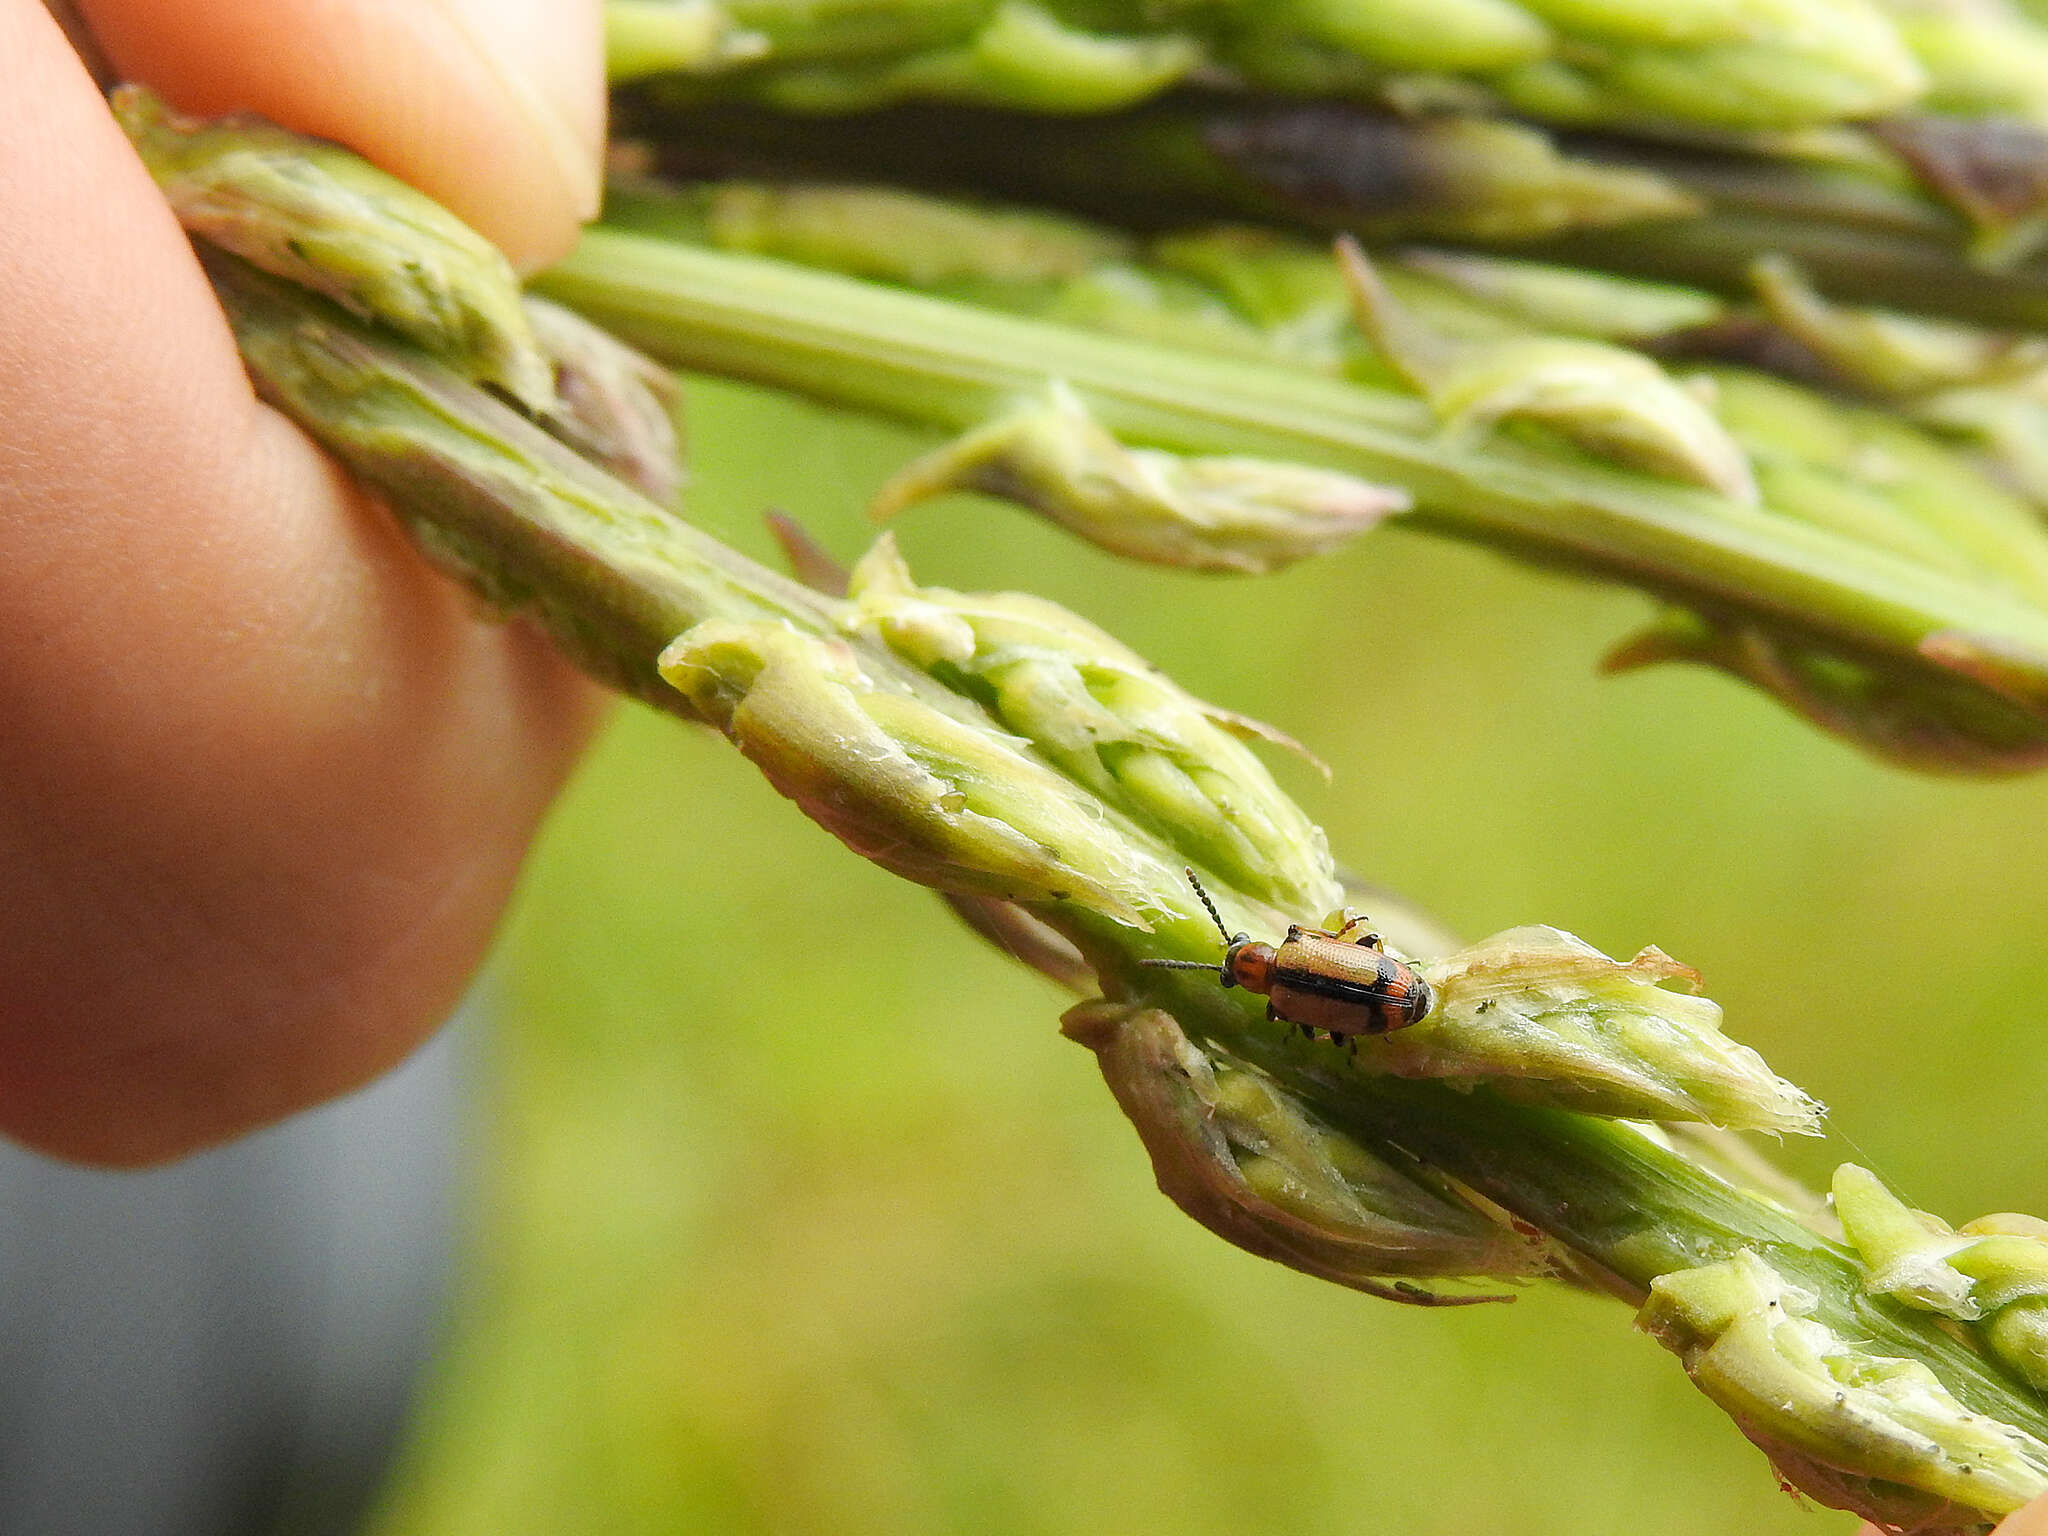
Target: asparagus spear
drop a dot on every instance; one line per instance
(1934, 702)
(1919, 212)
(1983, 58)
(1243, 293)
(1955, 690)
(962, 741)
(1775, 63)
(328, 218)
(758, 657)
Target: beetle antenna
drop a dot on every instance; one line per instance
(1215, 916)
(1182, 965)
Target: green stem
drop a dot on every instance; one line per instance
(615, 579)
(803, 31)
(952, 366)
(1637, 1209)
(1896, 268)
(1611, 1193)
(1340, 169)
(498, 501)
(651, 37)
(1788, 65)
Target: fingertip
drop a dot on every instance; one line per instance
(494, 107)
(546, 58)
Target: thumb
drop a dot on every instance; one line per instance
(494, 107)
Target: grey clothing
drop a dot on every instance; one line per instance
(227, 1346)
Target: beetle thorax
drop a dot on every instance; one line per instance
(1249, 965)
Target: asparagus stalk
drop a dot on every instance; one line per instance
(1983, 388)
(612, 577)
(224, 175)
(1490, 337)
(1749, 63)
(999, 747)
(1982, 59)
(1930, 213)
(1373, 173)
(1956, 90)
(1938, 666)
(329, 219)
(645, 37)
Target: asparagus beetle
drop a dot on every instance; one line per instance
(1318, 980)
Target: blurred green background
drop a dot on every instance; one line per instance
(796, 1214)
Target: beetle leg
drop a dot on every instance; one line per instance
(1353, 920)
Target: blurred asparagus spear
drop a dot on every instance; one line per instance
(996, 746)
(1763, 91)
(1982, 57)
(1923, 212)
(1778, 63)
(1900, 608)
(1986, 389)
(1378, 174)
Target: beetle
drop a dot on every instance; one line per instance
(1318, 980)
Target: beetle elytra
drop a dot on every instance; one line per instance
(1317, 980)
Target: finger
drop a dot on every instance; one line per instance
(265, 779)
(494, 107)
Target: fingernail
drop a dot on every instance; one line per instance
(547, 57)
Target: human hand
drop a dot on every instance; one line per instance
(265, 779)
